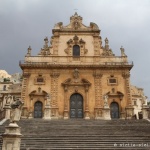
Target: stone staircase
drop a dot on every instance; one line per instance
(39, 134)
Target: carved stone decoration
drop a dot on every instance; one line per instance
(76, 74)
(98, 94)
(126, 76)
(106, 50)
(54, 93)
(76, 21)
(26, 76)
(46, 49)
(81, 85)
(76, 41)
(122, 51)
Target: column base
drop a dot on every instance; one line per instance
(86, 114)
(98, 113)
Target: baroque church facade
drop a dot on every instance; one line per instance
(76, 77)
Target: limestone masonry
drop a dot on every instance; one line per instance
(76, 77)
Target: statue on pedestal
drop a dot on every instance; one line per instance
(106, 100)
(16, 107)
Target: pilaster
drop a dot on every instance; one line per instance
(54, 93)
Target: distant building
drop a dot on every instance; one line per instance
(10, 85)
(138, 100)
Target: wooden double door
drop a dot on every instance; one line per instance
(76, 106)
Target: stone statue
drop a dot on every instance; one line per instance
(8, 99)
(105, 100)
(76, 73)
(16, 107)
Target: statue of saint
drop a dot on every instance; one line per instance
(16, 107)
(105, 100)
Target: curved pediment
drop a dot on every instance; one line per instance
(38, 92)
(76, 24)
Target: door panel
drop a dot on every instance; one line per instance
(76, 106)
(38, 110)
(114, 109)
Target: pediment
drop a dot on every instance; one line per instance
(38, 93)
(76, 24)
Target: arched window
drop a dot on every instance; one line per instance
(76, 51)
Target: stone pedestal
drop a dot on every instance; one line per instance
(122, 115)
(47, 112)
(106, 113)
(129, 112)
(7, 111)
(11, 137)
(98, 113)
(145, 110)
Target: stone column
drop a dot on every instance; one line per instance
(86, 103)
(11, 137)
(66, 115)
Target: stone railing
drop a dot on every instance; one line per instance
(2, 114)
(70, 61)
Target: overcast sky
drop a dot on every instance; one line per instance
(124, 22)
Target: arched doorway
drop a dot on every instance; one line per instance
(114, 110)
(38, 109)
(76, 106)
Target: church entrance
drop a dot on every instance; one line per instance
(76, 106)
(114, 110)
(38, 109)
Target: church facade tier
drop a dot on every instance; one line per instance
(74, 76)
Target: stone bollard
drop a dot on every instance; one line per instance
(11, 137)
